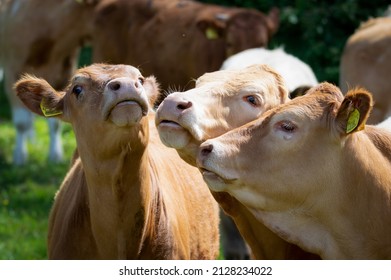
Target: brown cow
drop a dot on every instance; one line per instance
(177, 40)
(152, 34)
(366, 61)
(312, 172)
(41, 37)
(221, 101)
(127, 196)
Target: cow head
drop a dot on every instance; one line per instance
(104, 103)
(221, 100)
(290, 152)
(241, 29)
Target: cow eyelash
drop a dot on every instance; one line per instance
(252, 100)
(141, 80)
(287, 126)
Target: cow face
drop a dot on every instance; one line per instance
(102, 101)
(221, 101)
(290, 153)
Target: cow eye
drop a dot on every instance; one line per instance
(287, 126)
(141, 80)
(253, 100)
(77, 90)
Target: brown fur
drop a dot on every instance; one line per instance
(312, 182)
(156, 35)
(366, 61)
(218, 104)
(126, 196)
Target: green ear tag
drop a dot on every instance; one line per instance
(353, 120)
(47, 112)
(211, 33)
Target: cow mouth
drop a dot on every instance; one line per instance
(130, 102)
(126, 112)
(212, 177)
(123, 104)
(170, 124)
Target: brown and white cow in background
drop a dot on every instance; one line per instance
(223, 100)
(41, 37)
(312, 172)
(177, 40)
(366, 62)
(127, 196)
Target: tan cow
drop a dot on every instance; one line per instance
(221, 101)
(312, 172)
(366, 61)
(127, 196)
(177, 40)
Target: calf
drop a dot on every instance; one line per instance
(221, 101)
(312, 172)
(127, 196)
(366, 62)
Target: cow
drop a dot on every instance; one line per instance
(313, 172)
(366, 61)
(151, 34)
(223, 100)
(297, 83)
(126, 196)
(177, 40)
(296, 73)
(40, 37)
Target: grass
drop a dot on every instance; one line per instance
(26, 193)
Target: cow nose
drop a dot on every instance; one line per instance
(123, 85)
(183, 105)
(114, 85)
(206, 150)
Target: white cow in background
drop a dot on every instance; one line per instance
(295, 72)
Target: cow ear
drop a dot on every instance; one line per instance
(213, 28)
(39, 96)
(299, 91)
(151, 87)
(273, 21)
(354, 111)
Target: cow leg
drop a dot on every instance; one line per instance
(55, 150)
(23, 122)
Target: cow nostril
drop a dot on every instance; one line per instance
(206, 150)
(184, 105)
(114, 86)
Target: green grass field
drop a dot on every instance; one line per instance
(26, 193)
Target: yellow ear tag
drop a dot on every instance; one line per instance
(211, 33)
(47, 112)
(353, 120)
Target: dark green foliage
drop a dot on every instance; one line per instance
(315, 31)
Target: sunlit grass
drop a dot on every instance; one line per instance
(26, 193)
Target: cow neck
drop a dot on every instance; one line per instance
(347, 220)
(120, 196)
(367, 190)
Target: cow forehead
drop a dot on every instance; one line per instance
(233, 80)
(106, 72)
